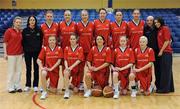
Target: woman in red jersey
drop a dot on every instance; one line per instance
(123, 61)
(98, 61)
(48, 61)
(73, 56)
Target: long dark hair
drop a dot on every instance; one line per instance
(160, 20)
(29, 20)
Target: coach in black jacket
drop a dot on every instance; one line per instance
(150, 31)
(32, 43)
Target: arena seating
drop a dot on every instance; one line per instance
(171, 16)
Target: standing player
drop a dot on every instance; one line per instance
(118, 28)
(51, 56)
(144, 58)
(13, 51)
(49, 27)
(102, 26)
(123, 61)
(85, 31)
(98, 62)
(135, 29)
(73, 56)
(66, 28)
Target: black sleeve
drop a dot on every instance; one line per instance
(41, 36)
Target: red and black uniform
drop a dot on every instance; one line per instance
(103, 29)
(135, 31)
(50, 57)
(98, 58)
(65, 32)
(49, 30)
(71, 56)
(142, 59)
(121, 59)
(118, 30)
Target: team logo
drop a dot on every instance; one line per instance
(38, 34)
(54, 29)
(56, 52)
(104, 54)
(146, 55)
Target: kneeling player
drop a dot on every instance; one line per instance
(73, 56)
(48, 61)
(123, 60)
(142, 70)
(98, 61)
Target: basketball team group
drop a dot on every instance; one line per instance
(133, 57)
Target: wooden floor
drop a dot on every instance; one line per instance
(31, 101)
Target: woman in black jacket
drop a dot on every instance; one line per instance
(32, 43)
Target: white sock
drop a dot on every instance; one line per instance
(116, 87)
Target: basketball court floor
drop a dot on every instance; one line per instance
(30, 100)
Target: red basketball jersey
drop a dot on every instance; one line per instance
(47, 31)
(65, 32)
(134, 33)
(50, 57)
(97, 57)
(164, 35)
(72, 56)
(103, 29)
(117, 31)
(85, 33)
(123, 58)
(143, 58)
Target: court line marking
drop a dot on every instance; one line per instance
(36, 103)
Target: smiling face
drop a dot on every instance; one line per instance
(157, 23)
(123, 41)
(32, 21)
(119, 16)
(49, 16)
(84, 16)
(150, 21)
(143, 42)
(52, 41)
(17, 23)
(73, 40)
(102, 14)
(136, 14)
(67, 15)
(99, 41)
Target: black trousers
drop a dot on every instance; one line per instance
(157, 70)
(29, 56)
(166, 74)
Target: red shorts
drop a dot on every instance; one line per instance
(100, 78)
(124, 78)
(54, 78)
(145, 79)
